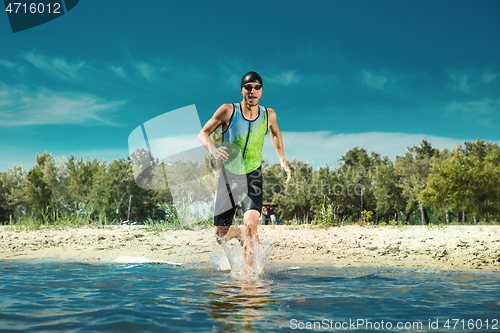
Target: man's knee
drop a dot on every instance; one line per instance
(251, 216)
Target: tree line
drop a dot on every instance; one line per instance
(422, 186)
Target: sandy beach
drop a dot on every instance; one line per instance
(450, 248)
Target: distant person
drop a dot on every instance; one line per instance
(244, 125)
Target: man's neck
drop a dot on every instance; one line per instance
(249, 109)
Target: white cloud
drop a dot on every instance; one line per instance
(118, 71)
(145, 70)
(374, 81)
(487, 77)
(323, 147)
(462, 82)
(483, 107)
(7, 64)
(22, 106)
(484, 112)
(56, 66)
(285, 78)
(168, 71)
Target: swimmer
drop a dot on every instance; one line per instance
(244, 125)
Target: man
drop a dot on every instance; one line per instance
(244, 126)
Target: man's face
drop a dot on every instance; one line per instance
(251, 95)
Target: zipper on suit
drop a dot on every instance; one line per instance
(246, 143)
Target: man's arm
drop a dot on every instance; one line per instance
(278, 141)
(220, 117)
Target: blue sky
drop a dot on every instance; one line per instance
(375, 74)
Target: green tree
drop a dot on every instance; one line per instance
(4, 209)
(353, 177)
(13, 201)
(414, 169)
(294, 199)
(113, 185)
(469, 180)
(387, 192)
(80, 174)
(39, 185)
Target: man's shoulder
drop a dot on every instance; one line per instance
(227, 107)
(271, 114)
(224, 111)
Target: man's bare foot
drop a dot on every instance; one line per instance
(237, 233)
(251, 248)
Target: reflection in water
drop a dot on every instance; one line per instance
(244, 298)
(239, 303)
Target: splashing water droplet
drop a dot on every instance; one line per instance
(231, 256)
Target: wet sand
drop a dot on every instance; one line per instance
(451, 248)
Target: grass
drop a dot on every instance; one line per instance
(30, 223)
(180, 217)
(190, 221)
(174, 224)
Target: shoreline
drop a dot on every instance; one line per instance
(450, 248)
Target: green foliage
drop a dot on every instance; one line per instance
(13, 201)
(54, 221)
(293, 199)
(393, 223)
(469, 179)
(113, 185)
(326, 215)
(80, 174)
(180, 217)
(366, 216)
(424, 185)
(40, 181)
(355, 175)
(387, 192)
(414, 169)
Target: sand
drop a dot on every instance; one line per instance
(450, 248)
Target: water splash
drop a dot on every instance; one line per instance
(219, 258)
(231, 256)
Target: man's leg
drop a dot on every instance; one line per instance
(249, 235)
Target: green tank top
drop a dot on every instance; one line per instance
(245, 140)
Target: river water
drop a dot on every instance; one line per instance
(103, 296)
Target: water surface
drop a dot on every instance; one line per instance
(100, 296)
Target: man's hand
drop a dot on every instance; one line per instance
(285, 166)
(220, 154)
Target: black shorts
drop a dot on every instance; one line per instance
(234, 189)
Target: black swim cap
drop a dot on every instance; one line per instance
(251, 77)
